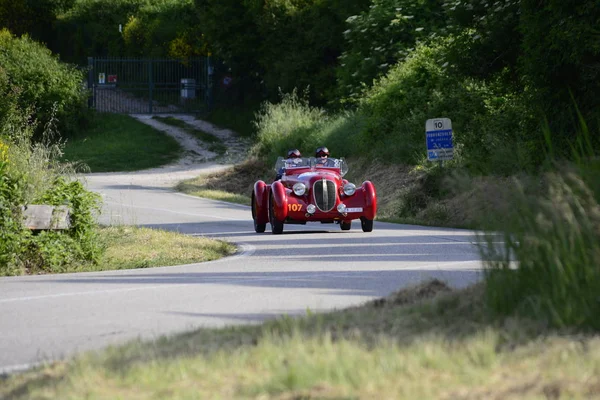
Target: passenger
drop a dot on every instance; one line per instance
(322, 156)
(294, 157)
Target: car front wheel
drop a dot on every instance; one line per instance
(258, 228)
(346, 225)
(276, 225)
(366, 224)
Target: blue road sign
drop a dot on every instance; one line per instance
(438, 136)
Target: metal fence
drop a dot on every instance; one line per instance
(140, 86)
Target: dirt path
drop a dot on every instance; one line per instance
(196, 151)
(197, 160)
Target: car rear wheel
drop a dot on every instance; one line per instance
(366, 224)
(276, 225)
(259, 228)
(345, 225)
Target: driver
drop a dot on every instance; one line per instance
(293, 158)
(322, 155)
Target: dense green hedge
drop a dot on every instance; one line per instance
(46, 87)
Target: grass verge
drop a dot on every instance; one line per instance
(133, 247)
(420, 343)
(212, 142)
(128, 247)
(118, 142)
(234, 184)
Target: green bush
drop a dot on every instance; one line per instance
(292, 123)
(494, 130)
(84, 206)
(45, 86)
(31, 174)
(12, 233)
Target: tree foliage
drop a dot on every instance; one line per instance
(380, 37)
(560, 60)
(279, 44)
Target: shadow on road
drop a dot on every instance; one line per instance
(341, 283)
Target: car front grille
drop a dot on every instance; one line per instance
(324, 194)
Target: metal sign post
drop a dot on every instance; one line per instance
(438, 137)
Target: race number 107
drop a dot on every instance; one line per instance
(294, 207)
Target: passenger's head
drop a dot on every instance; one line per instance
(322, 152)
(294, 153)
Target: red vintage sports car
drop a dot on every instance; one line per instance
(310, 191)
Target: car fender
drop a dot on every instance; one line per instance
(280, 200)
(261, 196)
(370, 199)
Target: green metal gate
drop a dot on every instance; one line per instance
(153, 86)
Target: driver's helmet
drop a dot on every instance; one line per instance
(322, 152)
(294, 153)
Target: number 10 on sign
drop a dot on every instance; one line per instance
(438, 136)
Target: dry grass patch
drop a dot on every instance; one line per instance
(234, 184)
(132, 247)
(427, 342)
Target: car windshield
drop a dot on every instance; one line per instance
(291, 164)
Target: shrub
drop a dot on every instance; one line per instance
(493, 128)
(292, 123)
(84, 205)
(12, 233)
(31, 174)
(45, 86)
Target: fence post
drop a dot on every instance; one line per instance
(209, 84)
(90, 82)
(150, 86)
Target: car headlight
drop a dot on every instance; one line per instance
(341, 208)
(311, 208)
(299, 189)
(349, 189)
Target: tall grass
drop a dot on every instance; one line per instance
(555, 241)
(293, 123)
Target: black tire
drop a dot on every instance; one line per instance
(366, 224)
(276, 225)
(258, 228)
(345, 225)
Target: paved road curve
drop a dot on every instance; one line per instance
(315, 267)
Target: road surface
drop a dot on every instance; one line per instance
(316, 267)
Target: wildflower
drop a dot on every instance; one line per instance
(3, 153)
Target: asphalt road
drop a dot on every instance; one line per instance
(316, 267)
